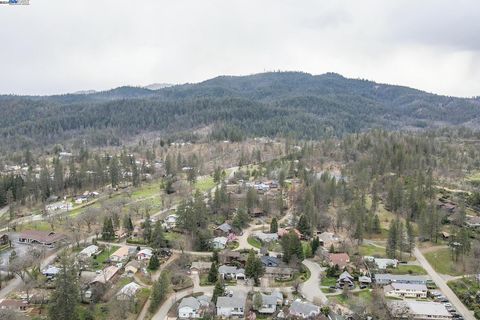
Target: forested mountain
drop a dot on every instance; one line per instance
(269, 104)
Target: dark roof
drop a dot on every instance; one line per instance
(41, 236)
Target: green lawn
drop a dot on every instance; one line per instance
(104, 255)
(254, 242)
(37, 225)
(408, 269)
(441, 261)
(205, 184)
(371, 250)
(147, 190)
(328, 281)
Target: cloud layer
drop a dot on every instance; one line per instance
(55, 46)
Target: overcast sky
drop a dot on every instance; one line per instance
(57, 46)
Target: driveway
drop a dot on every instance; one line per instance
(442, 285)
(310, 289)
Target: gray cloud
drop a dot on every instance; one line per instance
(55, 46)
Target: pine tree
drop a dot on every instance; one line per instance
(274, 225)
(315, 244)
(376, 228)
(108, 233)
(410, 237)
(114, 172)
(154, 263)
(253, 267)
(127, 223)
(303, 226)
(157, 239)
(65, 298)
(213, 273)
(160, 290)
(392, 244)
(218, 291)
(147, 229)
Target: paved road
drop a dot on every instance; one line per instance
(310, 289)
(442, 285)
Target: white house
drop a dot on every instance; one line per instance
(266, 237)
(89, 251)
(128, 292)
(405, 290)
(144, 254)
(382, 263)
(233, 306)
(219, 243)
(420, 310)
(269, 303)
(231, 272)
(304, 310)
(171, 221)
(189, 308)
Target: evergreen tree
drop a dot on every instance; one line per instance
(253, 267)
(213, 273)
(108, 233)
(157, 239)
(127, 223)
(147, 229)
(160, 290)
(65, 298)
(154, 263)
(392, 243)
(376, 228)
(303, 225)
(114, 172)
(274, 225)
(315, 244)
(218, 291)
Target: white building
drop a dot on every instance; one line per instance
(128, 292)
(405, 290)
(233, 306)
(304, 310)
(266, 237)
(231, 272)
(89, 251)
(189, 308)
(144, 254)
(382, 263)
(420, 310)
(269, 303)
(219, 243)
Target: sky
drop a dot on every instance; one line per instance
(59, 46)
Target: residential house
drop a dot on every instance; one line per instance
(266, 237)
(105, 275)
(280, 273)
(13, 304)
(50, 272)
(121, 255)
(382, 263)
(219, 243)
(200, 266)
(132, 267)
(384, 279)
(345, 279)
(189, 308)
(257, 212)
(327, 239)
(170, 221)
(304, 310)
(419, 310)
(128, 292)
(231, 272)
(45, 238)
(89, 251)
(223, 230)
(365, 280)
(269, 261)
(4, 239)
(284, 231)
(339, 259)
(144, 254)
(472, 221)
(232, 306)
(403, 290)
(269, 303)
(229, 257)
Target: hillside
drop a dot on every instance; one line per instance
(268, 104)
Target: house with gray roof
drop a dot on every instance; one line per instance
(385, 278)
(233, 306)
(223, 229)
(269, 303)
(189, 308)
(269, 261)
(420, 310)
(303, 309)
(231, 272)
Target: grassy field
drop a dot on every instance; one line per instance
(408, 269)
(365, 296)
(147, 190)
(371, 250)
(254, 242)
(441, 261)
(465, 289)
(328, 281)
(204, 184)
(104, 255)
(37, 225)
